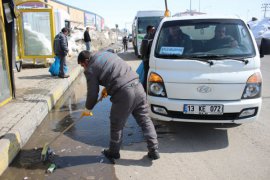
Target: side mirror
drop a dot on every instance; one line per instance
(265, 47)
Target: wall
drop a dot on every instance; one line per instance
(57, 5)
(76, 17)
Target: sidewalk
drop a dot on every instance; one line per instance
(36, 94)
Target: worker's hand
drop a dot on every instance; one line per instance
(87, 112)
(104, 94)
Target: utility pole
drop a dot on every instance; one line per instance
(199, 5)
(265, 7)
(189, 6)
(116, 30)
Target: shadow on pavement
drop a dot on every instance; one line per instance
(191, 137)
(128, 56)
(144, 162)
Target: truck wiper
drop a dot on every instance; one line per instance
(210, 57)
(205, 58)
(243, 59)
(199, 58)
(220, 57)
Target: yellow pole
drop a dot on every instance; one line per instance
(4, 55)
(167, 12)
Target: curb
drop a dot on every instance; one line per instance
(12, 142)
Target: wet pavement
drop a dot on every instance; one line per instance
(78, 151)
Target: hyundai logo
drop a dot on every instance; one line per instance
(204, 89)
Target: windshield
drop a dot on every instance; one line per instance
(143, 22)
(204, 38)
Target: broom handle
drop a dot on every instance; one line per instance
(70, 126)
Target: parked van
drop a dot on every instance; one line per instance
(204, 69)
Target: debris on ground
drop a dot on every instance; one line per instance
(51, 168)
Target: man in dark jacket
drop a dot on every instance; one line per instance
(87, 39)
(145, 51)
(61, 50)
(176, 38)
(221, 40)
(127, 96)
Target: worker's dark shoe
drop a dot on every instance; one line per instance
(153, 154)
(110, 155)
(63, 76)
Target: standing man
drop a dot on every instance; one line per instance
(145, 51)
(87, 39)
(127, 97)
(61, 50)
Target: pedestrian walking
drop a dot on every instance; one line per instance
(127, 97)
(87, 39)
(61, 50)
(125, 43)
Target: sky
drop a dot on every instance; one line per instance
(122, 12)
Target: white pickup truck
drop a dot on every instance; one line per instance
(205, 69)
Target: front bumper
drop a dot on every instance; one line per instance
(232, 110)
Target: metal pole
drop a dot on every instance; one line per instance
(264, 11)
(167, 12)
(199, 5)
(265, 7)
(190, 6)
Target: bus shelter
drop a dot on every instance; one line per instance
(26, 32)
(35, 30)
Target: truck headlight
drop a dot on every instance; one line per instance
(253, 87)
(156, 85)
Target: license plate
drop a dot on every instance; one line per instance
(203, 109)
